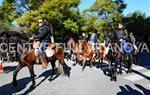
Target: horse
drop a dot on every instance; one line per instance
(27, 59)
(75, 51)
(100, 53)
(127, 54)
(87, 52)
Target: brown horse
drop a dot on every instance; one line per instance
(74, 49)
(86, 52)
(28, 59)
(100, 52)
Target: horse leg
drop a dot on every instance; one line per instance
(120, 67)
(30, 67)
(110, 70)
(75, 61)
(53, 70)
(84, 63)
(61, 67)
(14, 82)
(129, 63)
(101, 61)
(91, 61)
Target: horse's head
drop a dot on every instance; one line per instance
(84, 45)
(71, 43)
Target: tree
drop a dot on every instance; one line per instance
(61, 16)
(138, 23)
(6, 16)
(108, 14)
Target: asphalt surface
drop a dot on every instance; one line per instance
(92, 81)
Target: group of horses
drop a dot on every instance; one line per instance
(81, 50)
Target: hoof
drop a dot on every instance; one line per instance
(32, 86)
(82, 70)
(74, 64)
(120, 72)
(115, 78)
(35, 75)
(50, 79)
(17, 89)
(111, 79)
(15, 84)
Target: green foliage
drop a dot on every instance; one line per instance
(104, 14)
(61, 15)
(69, 24)
(137, 23)
(64, 19)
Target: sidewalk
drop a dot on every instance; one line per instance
(9, 64)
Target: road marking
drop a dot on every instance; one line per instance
(137, 77)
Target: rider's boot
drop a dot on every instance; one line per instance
(37, 59)
(37, 56)
(43, 61)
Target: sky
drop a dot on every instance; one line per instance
(132, 5)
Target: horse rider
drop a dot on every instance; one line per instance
(133, 40)
(43, 35)
(109, 37)
(123, 37)
(84, 36)
(93, 41)
(122, 33)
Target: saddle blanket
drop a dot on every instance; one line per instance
(49, 52)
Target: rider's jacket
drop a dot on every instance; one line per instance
(43, 33)
(85, 37)
(122, 34)
(93, 38)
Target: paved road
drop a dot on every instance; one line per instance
(92, 81)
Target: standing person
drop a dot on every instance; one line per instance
(43, 35)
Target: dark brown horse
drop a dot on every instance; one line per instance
(28, 59)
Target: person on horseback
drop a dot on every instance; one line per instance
(122, 33)
(84, 37)
(43, 35)
(133, 40)
(109, 37)
(93, 40)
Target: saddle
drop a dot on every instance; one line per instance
(49, 51)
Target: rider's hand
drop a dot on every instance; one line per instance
(31, 38)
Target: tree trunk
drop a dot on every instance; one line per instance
(52, 33)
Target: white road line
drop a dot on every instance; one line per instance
(137, 77)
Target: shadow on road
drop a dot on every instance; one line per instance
(146, 77)
(8, 89)
(127, 90)
(9, 69)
